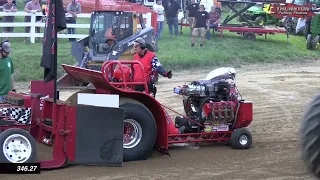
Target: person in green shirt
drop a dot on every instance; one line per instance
(6, 70)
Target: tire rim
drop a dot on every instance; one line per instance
(17, 148)
(132, 133)
(243, 140)
(261, 22)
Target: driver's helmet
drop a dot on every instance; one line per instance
(117, 73)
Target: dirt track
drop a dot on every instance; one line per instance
(278, 92)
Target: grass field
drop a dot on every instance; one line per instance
(175, 52)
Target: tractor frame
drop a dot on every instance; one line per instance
(73, 132)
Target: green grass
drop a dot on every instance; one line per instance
(175, 51)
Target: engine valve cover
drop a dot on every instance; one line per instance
(220, 111)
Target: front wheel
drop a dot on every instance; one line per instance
(260, 21)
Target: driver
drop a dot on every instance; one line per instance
(109, 37)
(150, 64)
(108, 34)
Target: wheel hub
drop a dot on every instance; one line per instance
(132, 133)
(243, 140)
(17, 148)
(261, 22)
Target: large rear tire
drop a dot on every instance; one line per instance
(310, 136)
(139, 145)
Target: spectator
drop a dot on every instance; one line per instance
(73, 8)
(171, 9)
(6, 70)
(32, 7)
(8, 7)
(159, 9)
(201, 25)
(192, 9)
(214, 16)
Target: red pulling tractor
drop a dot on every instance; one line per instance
(111, 123)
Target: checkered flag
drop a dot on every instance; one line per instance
(25, 117)
(21, 115)
(15, 113)
(4, 111)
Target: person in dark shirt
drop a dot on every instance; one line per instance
(201, 25)
(73, 9)
(9, 7)
(32, 7)
(171, 9)
(192, 9)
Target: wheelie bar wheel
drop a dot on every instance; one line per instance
(241, 139)
(17, 146)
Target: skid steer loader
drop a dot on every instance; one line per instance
(111, 37)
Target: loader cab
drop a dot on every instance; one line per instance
(109, 27)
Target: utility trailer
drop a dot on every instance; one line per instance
(129, 128)
(248, 29)
(250, 33)
(278, 8)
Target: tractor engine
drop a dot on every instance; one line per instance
(211, 102)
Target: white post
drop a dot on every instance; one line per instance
(148, 17)
(32, 28)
